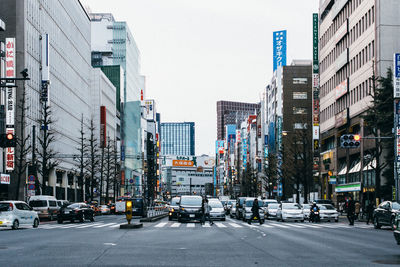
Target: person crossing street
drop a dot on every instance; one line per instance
(350, 209)
(255, 209)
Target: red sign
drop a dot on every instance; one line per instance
(103, 133)
(5, 179)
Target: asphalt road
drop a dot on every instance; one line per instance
(229, 243)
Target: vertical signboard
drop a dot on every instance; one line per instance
(10, 99)
(103, 130)
(315, 87)
(396, 78)
(44, 96)
(279, 45)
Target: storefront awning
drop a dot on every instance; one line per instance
(343, 171)
(370, 166)
(356, 168)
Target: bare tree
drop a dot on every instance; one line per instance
(92, 162)
(80, 159)
(45, 150)
(22, 146)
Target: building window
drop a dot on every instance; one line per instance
(299, 80)
(299, 95)
(297, 110)
(299, 125)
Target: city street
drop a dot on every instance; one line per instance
(169, 243)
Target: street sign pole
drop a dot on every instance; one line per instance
(396, 126)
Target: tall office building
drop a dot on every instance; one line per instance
(178, 138)
(115, 51)
(229, 112)
(69, 96)
(356, 39)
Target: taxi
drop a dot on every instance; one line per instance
(17, 213)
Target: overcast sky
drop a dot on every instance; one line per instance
(197, 52)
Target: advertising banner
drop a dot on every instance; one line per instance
(219, 147)
(10, 99)
(315, 44)
(103, 130)
(279, 45)
(5, 179)
(341, 89)
(396, 78)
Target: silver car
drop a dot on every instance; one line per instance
(306, 211)
(271, 210)
(17, 213)
(328, 212)
(217, 210)
(247, 205)
(290, 211)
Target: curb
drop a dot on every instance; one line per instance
(155, 218)
(131, 226)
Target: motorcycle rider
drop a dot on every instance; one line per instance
(313, 209)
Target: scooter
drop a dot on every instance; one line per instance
(314, 215)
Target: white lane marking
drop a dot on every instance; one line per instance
(295, 225)
(176, 225)
(103, 225)
(161, 224)
(279, 225)
(249, 225)
(235, 225)
(267, 226)
(206, 225)
(190, 225)
(88, 225)
(312, 226)
(68, 226)
(221, 225)
(114, 226)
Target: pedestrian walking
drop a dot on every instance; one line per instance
(370, 212)
(255, 209)
(205, 209)
(357, 206)
(350, 210)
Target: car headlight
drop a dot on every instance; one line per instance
(172, 210)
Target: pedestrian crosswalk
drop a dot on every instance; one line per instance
(232, 224)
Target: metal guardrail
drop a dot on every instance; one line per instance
(153, 211)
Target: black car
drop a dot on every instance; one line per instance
(385, 214)
(324, 201)
(173, 209)
(76, 211)
(190, 208)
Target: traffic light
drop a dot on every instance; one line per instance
(350, 141)
(128, 211)
(7, 140)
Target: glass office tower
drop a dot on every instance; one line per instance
(177, 138)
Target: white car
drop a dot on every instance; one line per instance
(17, 213)
(217, 210)
(271, 210)
(306, 210)
(328, 212)
(248, 205)
(290, 211)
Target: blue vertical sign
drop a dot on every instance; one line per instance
(279, 43)
(396, 78)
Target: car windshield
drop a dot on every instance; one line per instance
(306, 206)
(395, 206)
(38, 203)
(273, 206)
(215, 204)
(191, 201)
(291, 206)
(232, 202)
(326, 207)
(249, 203)
(4, 206)
(175, 201)
(73, 206)
(241, 201)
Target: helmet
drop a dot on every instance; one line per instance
(314, 203)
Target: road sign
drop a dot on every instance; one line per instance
(31, 193)
(31, 179)
(31, 187)
(131, 181)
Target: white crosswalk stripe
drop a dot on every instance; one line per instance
(176, 225)
(190, 225)
(235, 225)
(221, 225)
(279, 225)
(161, 224)
(89, 225)
(206, 225)
(103, 225)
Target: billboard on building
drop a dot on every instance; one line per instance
(396, 78)
(150, 110)
(279, 46)
(10, 99)
(219, 147)
(103, 126)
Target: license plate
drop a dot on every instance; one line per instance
(191, 215)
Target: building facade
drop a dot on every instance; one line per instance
(229, 112)
(68, 28)
(178, 138)
(357, 40)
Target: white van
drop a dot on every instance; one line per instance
(45, 206)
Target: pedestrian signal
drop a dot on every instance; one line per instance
(350, 141)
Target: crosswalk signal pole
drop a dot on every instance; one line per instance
(128, 211)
